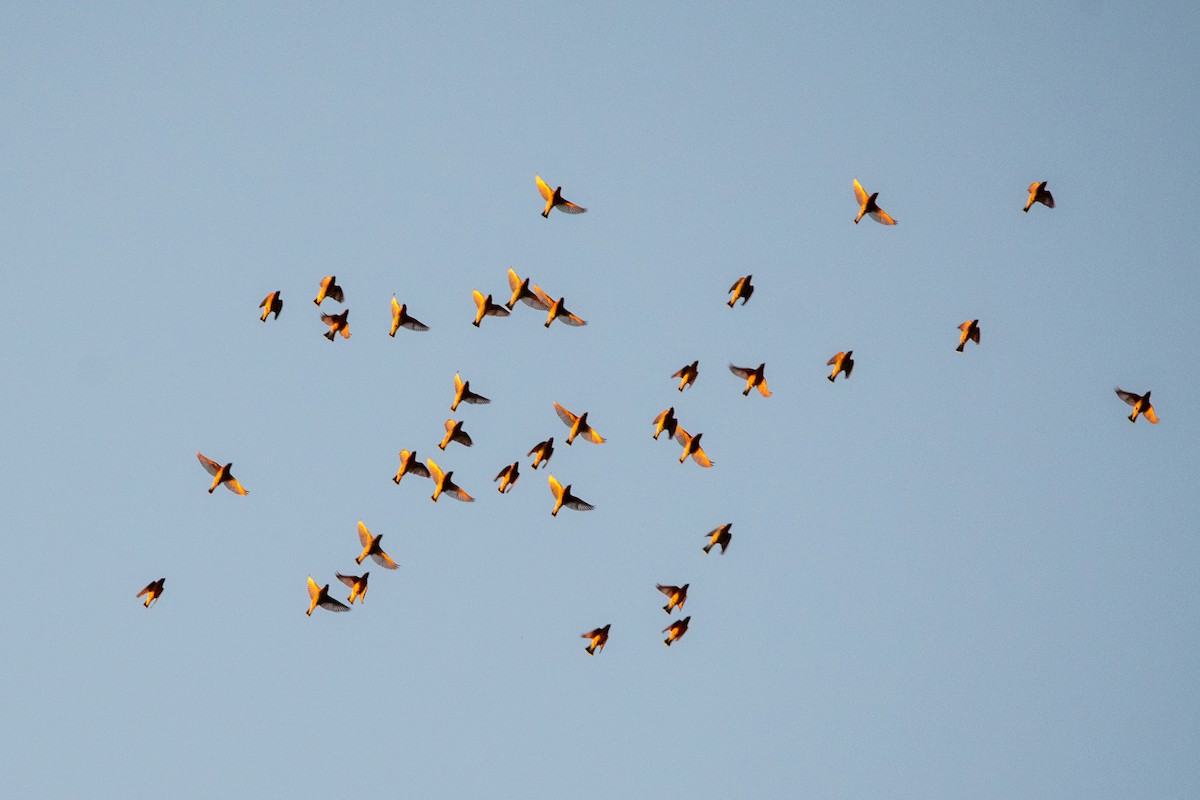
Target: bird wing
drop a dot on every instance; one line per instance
(848, 367)
(349, 580)
(592, 435)
(860, 194)
(571, 319)
(1047, 198)
(336, 293)
(414, 325)
(417, 468)
(736, 284)
(475, 398)
(743, 372)
(545, 190)
(313, 590)
(571, 208)
(536, 448)
(682, 436)
(364, 535)
(1128, 397)
(965, 325)
(502, 473)
(514, 281)
(434, 470)
(150, 586)
(384, 560)
(266, 300)
(701, 458)
(834, 360)
(330, 319)
(395, 308)
(458, 493)
(762, 388)
(555, 487)
(579, 505)
(232, 485)
(462, 437)
(1150, 415)
(881, 216)
(329, 604)
(209, 465)
(480, 300)
(566, 416)
(544, 301)
(458, 384)
(667, 590)
(662, 415)
(450, 424)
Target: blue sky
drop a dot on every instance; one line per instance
(950, 576)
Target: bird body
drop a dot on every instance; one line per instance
(153, 591)
(579, 426)
(563, 497)
(970, 330)
(676, 630)
(330, 289)
(687, 375)
(1141, 405)
(868, 206)
(221, 475)
(271, 304)
(599, 638)
(718, 536)
(841, 362)
(338, 323)
(508, 477)
(542, 452)
(741, 290)
(357, 584)
(554, 199)
(755, 378)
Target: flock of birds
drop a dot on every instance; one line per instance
(578, 425)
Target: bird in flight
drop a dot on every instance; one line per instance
(443, 484)
(455, 433)
(271, 304)
(330, 289)
(153, 591)
(320, 597)
(579, 426)
(691, 447)
(508, 477)
(372, 548)
(357, 584)
(718, 536)
(401, 319)
(666, 421)
(841, 362)
(755, 378)
(1141, 405)
(868, 206)
(542, 452)
(554, 199)
(741, 290)
(556, 310)
(599, 638)
(970, 330)
(463, 394)
(484, 307)
(676, 630)
(687, 375)
(521, 292)
(676, 596)
(409, 465)
(563, 497)
(338, 323)
(221, 474)
(1039, 194)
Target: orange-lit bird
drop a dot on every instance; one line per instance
(521, 292)
(271, 304)
(741, 290)
(373, 548)
(718, 536)
(463, 394)
(755, 378)
(221, 475)
(579, 426)
(484, 307)
(868, 206)
(455, 433)
(563, 497)
(687, 375)
(599, 637)
(330, 289)
(542, 452)
(554, 199)
(1141, 405)
(676, 630)
(320, 597)
(1039, 194)
(409, 465)
(401, 319)
(338, 323)
(841, 362)
(556, 310)
(357, 584)
(970, 330)
(444, 485)
(508, 476)
(691, 447)
(676, 596)
(666, 421)
(153, 591)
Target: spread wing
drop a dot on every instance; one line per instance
(544, 300)
(848, 366)
(860, 194)
(536, 448)
(435, 471)
(682, 436)
(579, 505)
(462, 437)
(593, 436)
(571, 208)
(662, 415)
(762, 389)
(329, 604)
(233, 486)
(1150, 415)
(417, 468)
(571, 319)
(458, 493)
(395, 310)
(414, 325)
(667, 590)
(384, 560)
(349, 580)
(545, 190)
(1047, 198)
(213, 467)
(701, 458)
(458, 384)
(364, 535)
(566, 416)
(480, 300)
(834, 360)
(502, 473)
(736, 284)
(313, 589)
(881, 216)
(555, 487)
(336, 293)
(742, 372)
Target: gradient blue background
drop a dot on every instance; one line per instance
(951, 576)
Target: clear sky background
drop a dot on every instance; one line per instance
(950, 576)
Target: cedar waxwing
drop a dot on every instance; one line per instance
(401, 319)
(338, 323)
(970, 330)
(508, 476)
(320, 597)
(330, 289)
(554, 199)
(1141, 405)
(676, 596)
(522, 292)
(357, 584)
(221, 475)
(676, 630)
(691, 447)
(687, 375)
(1039, 194)
(484, 307)
(867, 206)
(719, 536)
(442, 483)
(271, 304)
(741, 289)
(556, 310)
(409, 465)
(372, 548)
(455, 433)
(578, 425)
(563, 497)
(153, 591)
(755, 378)
(666, 422)
(542, 452)
(841, 362)
(599, 637)
(463, 394)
